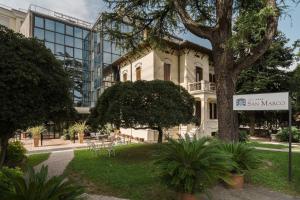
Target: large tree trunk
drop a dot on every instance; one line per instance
(160, 135)
(252, 123)
(225, 86)
(4, 145)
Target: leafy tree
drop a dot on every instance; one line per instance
(267, 74)
(33, 85)
(240, 32)
(144, 105)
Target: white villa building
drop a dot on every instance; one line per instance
(181, 62)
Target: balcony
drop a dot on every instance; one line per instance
(202, 86)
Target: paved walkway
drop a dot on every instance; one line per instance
(248, 193)
(57, 162)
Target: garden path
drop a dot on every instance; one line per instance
(250, 192)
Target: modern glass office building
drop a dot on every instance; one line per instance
(85, 50)
(104, 52)
(69, 39)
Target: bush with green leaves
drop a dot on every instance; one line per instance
(283, 134)
(243, 136)
(190, 165)
(15, 155)
(243, 156)
(36, 186)
(6, 174)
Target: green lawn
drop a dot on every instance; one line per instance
(272, 146)
(131, 173)
(274, 172)
(35, 159)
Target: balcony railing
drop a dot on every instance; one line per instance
(202, 86)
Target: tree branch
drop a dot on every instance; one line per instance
(263, 46)
(190, 24)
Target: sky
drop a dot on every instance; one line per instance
(89, 9)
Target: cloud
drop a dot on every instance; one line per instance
(83, 9)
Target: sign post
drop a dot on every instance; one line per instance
(267, 101)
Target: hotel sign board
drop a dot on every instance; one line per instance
(266, 101)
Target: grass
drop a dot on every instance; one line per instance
(264, 145)
(35, 159)
(132, 175)
(274, 172)
(128, 175)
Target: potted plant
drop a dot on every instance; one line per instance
(190, 166)
(36, 134)
(244, 159)
(79, 128)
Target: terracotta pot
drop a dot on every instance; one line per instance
(80, 136)
(187, 196)
(36, 142)
(237, 181)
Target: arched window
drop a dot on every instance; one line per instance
(124, 76)
(198, 74)
(138, 73)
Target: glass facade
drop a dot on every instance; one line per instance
(70, 43)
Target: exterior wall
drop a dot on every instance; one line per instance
(26, 26)
(152, 64)
(12, 18)
(147, 66)
(160, 58)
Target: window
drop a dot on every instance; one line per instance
(50, 46)
(125, 77)
(78, 43)
(107, 58)
(199, 74)
(39, 33)
(39, 22)
(49, 36)
(138, 73)
(69, 52)
(69, 30)
(59, 50)
(78, 32)
(198, 112)
(212, 78)
(115, 57)
(213, 111)
(167, 72)
(107, 46)
(69, 41)
(49, 25)
(85, 34)
(78, 53)
(60, 27)
(59, 38)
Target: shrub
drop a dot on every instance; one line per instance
(15, 154)
(191, 165)
(283, 134)
(243, 136)
(35, 185)
(7, 173)
(243, 156)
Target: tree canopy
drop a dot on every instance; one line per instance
(268, 74)
(34, 87)
(144, 105)
(240, 32)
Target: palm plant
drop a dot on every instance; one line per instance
(79, 128)
(36, 186)
(243, 156)
(190, 165)
(36, 131)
